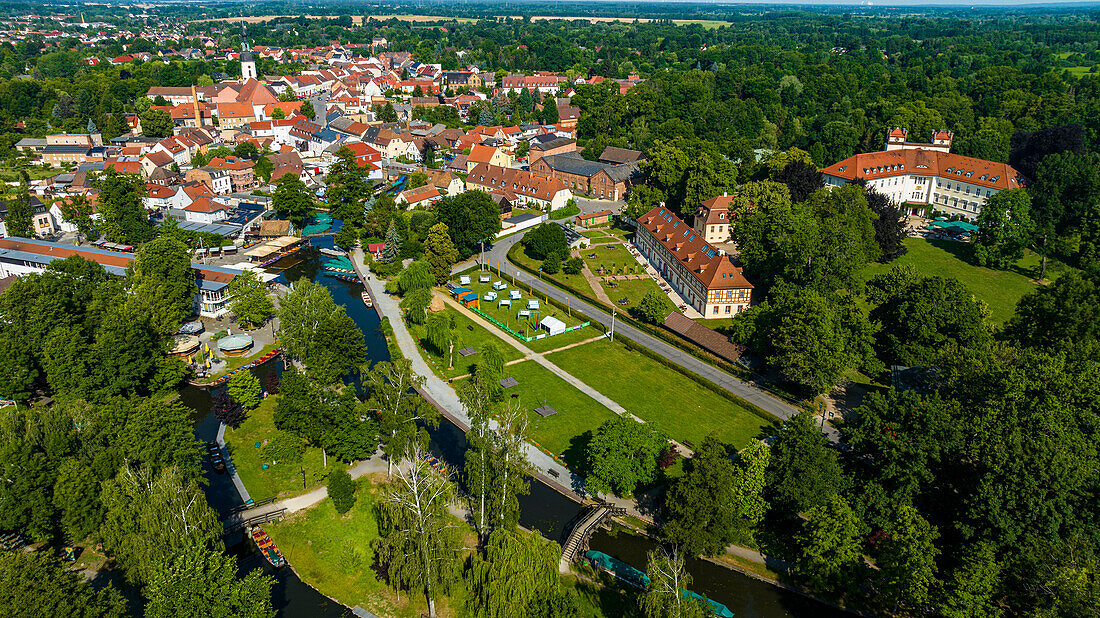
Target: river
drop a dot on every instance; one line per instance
(544, 509)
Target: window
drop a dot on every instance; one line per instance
(728, 309)
(715, 310)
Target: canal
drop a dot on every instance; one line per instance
(543, 509)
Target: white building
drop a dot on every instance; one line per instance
(919, 175)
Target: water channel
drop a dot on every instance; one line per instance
(544, 509)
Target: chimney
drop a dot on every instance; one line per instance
(725, 194)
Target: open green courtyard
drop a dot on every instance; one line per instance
(577, 282)
(633, 290)
(683, 409)
(610, 259)
(509, 308)
(1001, 289)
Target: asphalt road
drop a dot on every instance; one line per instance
(745, 390)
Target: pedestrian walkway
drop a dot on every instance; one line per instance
(443, 396)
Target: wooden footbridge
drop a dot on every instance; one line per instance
(578, 538)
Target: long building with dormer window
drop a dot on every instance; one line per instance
(705, 278)
(919, 175)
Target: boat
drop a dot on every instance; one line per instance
(267, 547)
(618, 568)
(367, 299)
(634, 577)
(214, 454)
(342, 277)
(715, 607)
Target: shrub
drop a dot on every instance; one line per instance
(573, 266)
(552, 264)
(285, 447)
(545, 239)
(342, 490)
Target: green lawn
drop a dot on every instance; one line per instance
(577, 412)
(509, 316)
(1001, 289)
(633, 290)
(682, 408)
(9, 174)
(577, 282)
(333, 554)
(559, 341)
(469, 334)
(612, 257)
(279, 479)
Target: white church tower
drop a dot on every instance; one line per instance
(248, 61)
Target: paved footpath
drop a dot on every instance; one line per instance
(745, 390)
(443, 395)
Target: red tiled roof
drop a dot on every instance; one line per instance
(924, 162)
(681, 241)
(519, 182)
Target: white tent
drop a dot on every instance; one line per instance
(553, 325)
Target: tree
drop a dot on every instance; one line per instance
(341, 488)
(417, 275)
(1067, 584)
(801, 178)
(780, 161)
(440, 252)
(664, 597)
(402, 413)
(251, 302)
(829, 545)
(318, 332)
(156, 123)
(552, 264)
(654, 307)
(245, 389)
(278, 113)
(416, 303)
(200, 582)
(78, 211)
(292, 199)
(19, 220)
(471, 217)
(802, 472)
(919, 317)
(700, 514)
(76, 496)
(157, 435)
(388, 114)
(1004, 229)
(120, 202)
(891, 226)
(545, 239)
(907, 560)
(307, 110)
(246, 150)
(419, 547)
(150, 517)
(346, 186)
(393, 244)
(33, 584)
(621, 456)
(574, 266)
(161, 280)
(971, 589)
(515, 569)
(1066, 311)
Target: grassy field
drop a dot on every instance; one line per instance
(509, 316)
(1001, 289)
(633, 290)
(469, 333)
(614, 258)
(578, 413)
(333, 553)
(559, 341)
(577, 282)
(279, 479)
(35, 172)
(683, 409)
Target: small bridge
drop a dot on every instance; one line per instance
(583, 530)
(235, 524)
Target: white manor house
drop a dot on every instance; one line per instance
(920, 175)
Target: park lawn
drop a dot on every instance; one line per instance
(333, 553)
(1001, 289)
(577, 412)
(577, 282)
(467, 334)
(633, 290)
(35, 172)
(683, 409)
(594, 233)
(280, 479)
(612, 257)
